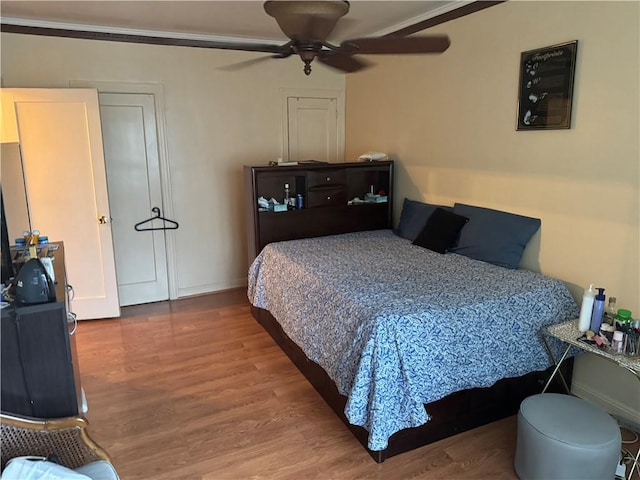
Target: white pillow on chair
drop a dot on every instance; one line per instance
(99, 470)
(38, 468)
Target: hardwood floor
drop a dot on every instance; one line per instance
(196, 389)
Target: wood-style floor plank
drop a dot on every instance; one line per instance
(196, 389)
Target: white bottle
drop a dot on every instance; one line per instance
(586, 309)
(617, 345)
(286, 194)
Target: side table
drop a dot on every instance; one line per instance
(568, 333)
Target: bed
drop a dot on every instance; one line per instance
(407, 345)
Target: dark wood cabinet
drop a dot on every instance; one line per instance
(39, 367)
(327, 190)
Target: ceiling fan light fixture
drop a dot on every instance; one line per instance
(309, 20)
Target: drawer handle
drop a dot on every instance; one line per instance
(328, 179)
(329, 198)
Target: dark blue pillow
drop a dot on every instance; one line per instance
(441, 231)
(414, 217)
(494, 236)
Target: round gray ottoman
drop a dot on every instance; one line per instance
(563, 437)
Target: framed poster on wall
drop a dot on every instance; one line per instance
(546, 87)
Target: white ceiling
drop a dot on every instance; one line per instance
(217, 20)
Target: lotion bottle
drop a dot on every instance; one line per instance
(586, 310)
(598, 311)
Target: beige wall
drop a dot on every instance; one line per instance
(449, 121)
(216, 121)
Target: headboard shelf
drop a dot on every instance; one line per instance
(326, 188)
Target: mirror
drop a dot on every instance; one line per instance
(14, 192)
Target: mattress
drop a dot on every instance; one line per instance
(397, 326)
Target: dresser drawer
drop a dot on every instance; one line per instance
(327, 196)
(326, 177)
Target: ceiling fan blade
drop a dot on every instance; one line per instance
(344, 62)
(246, 63)
(395, 45)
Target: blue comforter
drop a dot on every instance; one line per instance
(397, 326)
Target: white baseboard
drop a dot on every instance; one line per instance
(211, 288)
(615, 408)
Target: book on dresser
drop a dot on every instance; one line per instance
(336, 198)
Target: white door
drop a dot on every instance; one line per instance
(61, 140)
(133, 177)
(313, 129)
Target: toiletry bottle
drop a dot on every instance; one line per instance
(610, 312)
(623, 320)
(617, 345)
(286, 194)
(586, 309)
(598, 311)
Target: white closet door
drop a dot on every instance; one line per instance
(133, 177)
(313, 129)
(61, 140)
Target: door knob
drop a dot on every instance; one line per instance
(102, 220)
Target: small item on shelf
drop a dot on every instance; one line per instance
(610, 312)
(282, 163)
(632, 347)
(586, 310)
(275, 206)
(286, 194)
(617, 345)
(299, 202)
(623, 320)
(598, 310)
(263, 203)
(606, 332)
(372, 198)
(373, 157)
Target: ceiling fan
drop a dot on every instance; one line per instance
(309, 23)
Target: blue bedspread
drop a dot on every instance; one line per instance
(397, 326)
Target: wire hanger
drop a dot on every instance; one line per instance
(168, 224)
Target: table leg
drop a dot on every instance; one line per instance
(556, 370)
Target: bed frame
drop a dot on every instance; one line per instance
(456, 413)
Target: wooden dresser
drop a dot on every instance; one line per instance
(40, 375)
(326, 189)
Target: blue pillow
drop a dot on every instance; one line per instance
(494, 236)
(441, 231)
(414, 217)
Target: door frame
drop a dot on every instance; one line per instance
(157, 90)
(327, 94)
